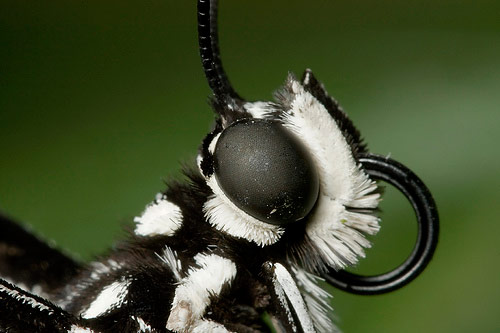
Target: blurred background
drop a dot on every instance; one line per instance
(101, 101)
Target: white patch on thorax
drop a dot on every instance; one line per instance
(161, 217)
(111, 297)
(193, 294)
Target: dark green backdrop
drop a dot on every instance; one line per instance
(102, 100)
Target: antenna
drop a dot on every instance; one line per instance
(208, 41)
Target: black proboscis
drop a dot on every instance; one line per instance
(396, 174)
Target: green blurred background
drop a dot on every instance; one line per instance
(100, 101)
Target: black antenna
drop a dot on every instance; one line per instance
(396, 174)
(208, 41)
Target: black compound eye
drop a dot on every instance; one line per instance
(266, 171)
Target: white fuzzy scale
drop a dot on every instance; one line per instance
(111, 297)
(335, 231)
(26, 299)
(192, 296)
(169, 258)
(225, 216)
(292, 293)
(317, 299)
(161, 217)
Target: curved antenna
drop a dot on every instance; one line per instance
(416, 192)
(208, 41)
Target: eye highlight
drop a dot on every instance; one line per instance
(266, 171)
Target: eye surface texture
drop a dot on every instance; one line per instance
(266, 171)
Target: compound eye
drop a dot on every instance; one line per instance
(266, 171)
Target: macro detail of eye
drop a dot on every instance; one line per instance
(266, 171)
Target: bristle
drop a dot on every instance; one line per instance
(226, 217)
(333, 230)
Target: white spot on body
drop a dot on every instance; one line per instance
(193, 294)
(162, 217)
(99, 269)
(112, 296)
